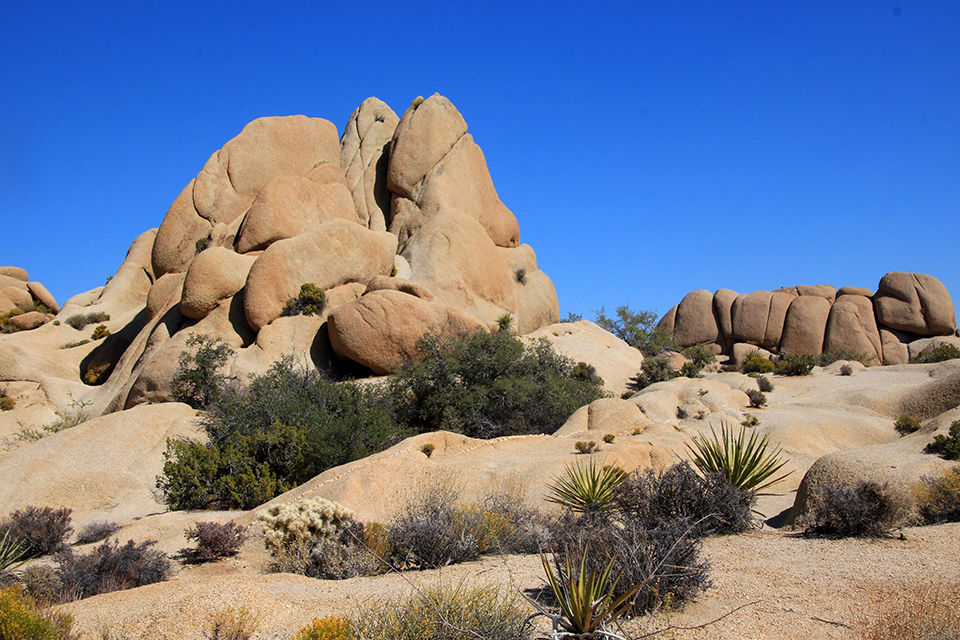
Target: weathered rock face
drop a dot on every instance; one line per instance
(814, 319)
(398, 222)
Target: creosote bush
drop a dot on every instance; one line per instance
(110, 567)
(585, 446)
(796, 365)
(941, 353)
(215, 540)
(907, 423)
(868, 509)
(947, 446)
(938, 497)
(99, 332)
(755, 363)
(38, 531)
(652, 370)
(310, 301)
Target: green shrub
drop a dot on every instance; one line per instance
(947, 447)
(938, 497)
(796, 365)
(39, 531)
(907, 423)
(486, 385)
(197, 381)
(585, 447)
(653, 369)
(99, 332)
(110, 567)
(202, 244)
(699, 356)
(78, 343)
(505, 322)
(609, 438)
(586, 488)
(638, 329)
(829, 357)
(941, 353)
(586, 373)
(689, 370)
(444, 612)
(310, 301)
(12, 557)
(215, 540)
(755, 363)
(867, 509)
(428, 449)
(21, 619)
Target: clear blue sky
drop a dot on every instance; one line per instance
(647, 148)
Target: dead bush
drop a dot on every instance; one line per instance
(868, 509)
(39, 531)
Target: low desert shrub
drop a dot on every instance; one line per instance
(504, 322)
(7, 403)
(40, 582)
(796, 365)
(197, 381)
(78, 343)
(99, 332)
(81, 320)
(947, 446)
(520, 275)
(309, 302)
(638, 329)
(867, 509)
(215, 540)
(22, 619)
(708, 504)
(700, 356)
(757, 398)
(920, 612)
(428, 449)
(97, 531)
(940, 353)
(329, 628)
(764, 384)
(653, 370)
(445, 612)
(585, 447)
(609, 438)
(110, 567)
(907, 423)
(829, 357)
(359, 550)
(233, 623)
(38, 531)
(846, 369)
(938, 497)
(309, 522)
(587, 373)
(756, 363)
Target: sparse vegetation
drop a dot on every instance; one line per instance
(100, 332)
(197, 381)
(829, 357)
(609, 438)
(97, 531)
(428, 449)
(310, 301)
(764, 384)
(700, 356)
(110, 567)
(586, 488)
(796, 365)
(926, 612)
(329, 628)
(907, 423)
(585, 446)
(947, 446)
(846, 369)
(38, 531)
(940, 353)
(505, 322)
(520, 275)
(233, 623)
(81, 320)
(938, 497)
(7, 403)
(756, 363)
(867, 509)
(757, 398)
(21, 618)
(652, 370)
(215, 540)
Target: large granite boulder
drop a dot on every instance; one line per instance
(853, 327)
(914, 302)
(364, 152)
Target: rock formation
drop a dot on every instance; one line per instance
(398, 222)
(906, 307)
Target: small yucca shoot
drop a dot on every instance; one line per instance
(746, 462)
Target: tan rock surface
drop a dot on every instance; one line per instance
(853, 326)
(40, 293)
(214, 275)
(805, 325)
(15, 272)
(915, 302)
(695, 322)
(364, 151)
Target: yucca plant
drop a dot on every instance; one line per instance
(587, 601)
(587, 488)
(12, 557)
(746, 462)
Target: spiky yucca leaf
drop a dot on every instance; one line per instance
(587, 488)
(12, 555)
(746, 463)
(587, 602)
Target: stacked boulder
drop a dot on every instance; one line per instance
(19, 298)
(906, 307)
(398, 222)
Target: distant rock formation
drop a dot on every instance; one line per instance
(398, 222)
(906, 308)
(17, 292)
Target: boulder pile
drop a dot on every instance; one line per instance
(906, 309)
(20, 298)
(397, 222)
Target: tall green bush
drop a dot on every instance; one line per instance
(638, 329)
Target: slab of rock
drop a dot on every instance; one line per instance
(29, 320)
(364, 151)
(289, 205)
(852, 326)
(603, 416)
(328, 255)
(895, 350)
(44, 297)
(759, 316)
(214, 275)
(14, 272)
(695, 322)
(915, 302)
(854, 291)
(381, 329)
(722, 304)
(805, 325)
(425, 134)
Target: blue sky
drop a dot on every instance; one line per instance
(647, 149)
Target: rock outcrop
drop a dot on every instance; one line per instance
(398, 222)
(816, 319)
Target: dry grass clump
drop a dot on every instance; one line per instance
(928, 612)
(867, 509)
(938, 497)
(110, 567)
(233, 623)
